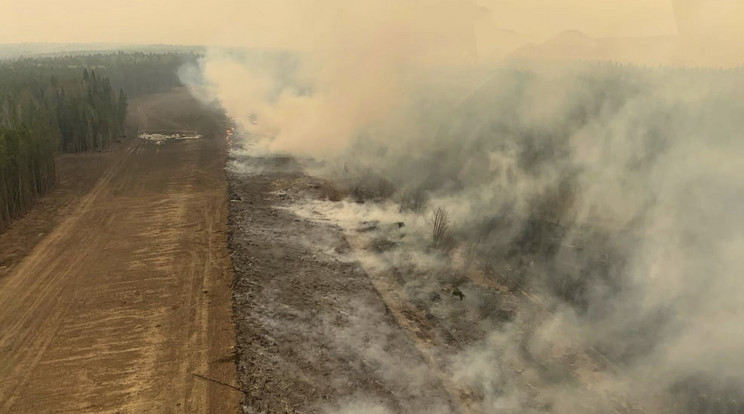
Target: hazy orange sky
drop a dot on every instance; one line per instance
(251, 21)
(498, 26)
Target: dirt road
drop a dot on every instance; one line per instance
(125, 305)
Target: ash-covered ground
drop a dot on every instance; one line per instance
(345, 302)
(336, 313)
(313, 333)
(557, 240)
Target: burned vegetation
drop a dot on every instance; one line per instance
(514, 252)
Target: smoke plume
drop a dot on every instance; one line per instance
(609, 193)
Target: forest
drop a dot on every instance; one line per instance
(59, 104)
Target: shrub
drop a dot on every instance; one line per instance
(441, 235)
(413, 201)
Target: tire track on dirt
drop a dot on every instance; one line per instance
(31, 316)
(111, 311)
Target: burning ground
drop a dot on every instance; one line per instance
(339, 309)
(561, 241)
(546, 237)
(312, 330)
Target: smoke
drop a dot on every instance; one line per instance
(605, 197)
(707, 30)
(353, 66)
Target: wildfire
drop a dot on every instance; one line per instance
(228, 137)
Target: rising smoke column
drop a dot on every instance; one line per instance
(646, 160)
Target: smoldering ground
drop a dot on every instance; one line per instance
(598, 204)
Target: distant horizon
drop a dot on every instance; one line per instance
(552, 49)
(704, 34)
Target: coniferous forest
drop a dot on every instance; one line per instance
(66, 104)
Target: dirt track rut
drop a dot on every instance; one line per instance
(129, 297)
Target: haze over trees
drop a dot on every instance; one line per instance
(66, 104)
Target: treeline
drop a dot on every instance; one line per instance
(39, 118)
(68, 104)
(29, 137)
(138, 73)
(89, 113)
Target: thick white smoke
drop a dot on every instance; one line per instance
(637, 170)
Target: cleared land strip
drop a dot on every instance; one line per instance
(127, 302)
